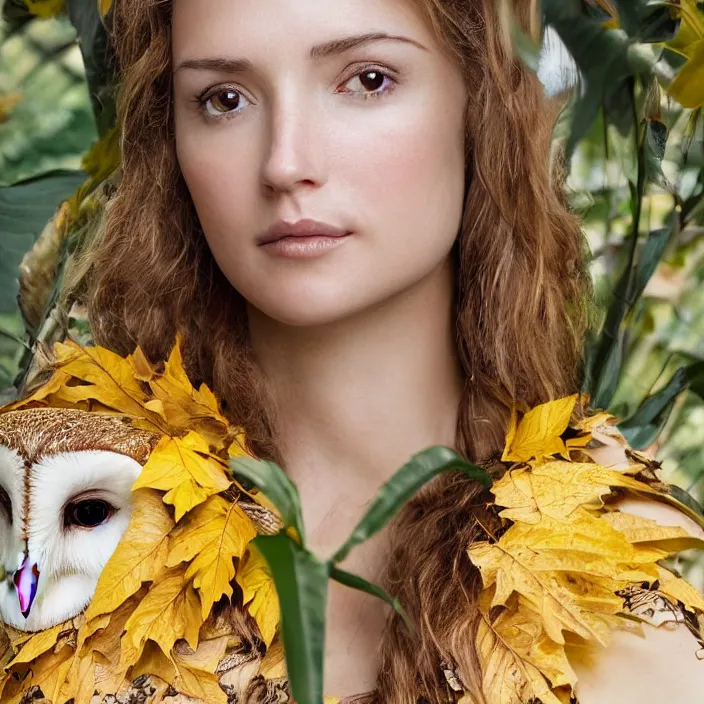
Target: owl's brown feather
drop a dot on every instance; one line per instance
(39, 432)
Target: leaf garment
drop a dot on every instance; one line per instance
(186, 612)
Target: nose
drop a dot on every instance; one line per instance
(26, 580)
(294, 156)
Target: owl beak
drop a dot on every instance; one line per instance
(26, 580)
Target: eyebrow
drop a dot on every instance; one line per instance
(331, 48)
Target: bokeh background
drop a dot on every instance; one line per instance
(631, 74)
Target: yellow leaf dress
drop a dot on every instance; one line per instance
(185, 610)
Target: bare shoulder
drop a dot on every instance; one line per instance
(662, 665)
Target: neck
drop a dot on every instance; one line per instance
(357, 397)
(354, 400)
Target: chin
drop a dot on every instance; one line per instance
(60, 601)
(312, 309)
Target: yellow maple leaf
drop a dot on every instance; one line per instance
(108, 379)
(195, 670)
(183, 407)
(38, 644)
(259, 594)
(170, 611)
(679, 590)
(557, 488)
(537, 435)
(644, 532)
(213, 535)
(508, 676)
(184, 468)
(139, 557)
(48, 672)
(528, 560)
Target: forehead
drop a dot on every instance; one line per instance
(40, 432)
(265, 28)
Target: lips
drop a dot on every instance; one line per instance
(302, 228)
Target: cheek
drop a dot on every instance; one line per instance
(407, 181)
(220, 167)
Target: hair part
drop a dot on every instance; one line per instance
(522, 303)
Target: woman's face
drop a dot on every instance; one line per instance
(275, 122)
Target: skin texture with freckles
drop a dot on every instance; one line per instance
(357, 345)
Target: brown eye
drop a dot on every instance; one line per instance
(224, 101)
(372, 80)
(88, 514)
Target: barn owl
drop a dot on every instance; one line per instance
(65, 502)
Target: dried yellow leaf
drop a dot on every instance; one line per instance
(538, 434)
(185, 408)
(560, 572)
(213, 536)
(139, 557)
(259, 595)
(38, 644)
(557, 488)
(184, 468)
(645, 532)
(171, 610)
(508, 678)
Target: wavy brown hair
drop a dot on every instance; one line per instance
(522, 301)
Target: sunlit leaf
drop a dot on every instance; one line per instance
(139, 557)
(211, 538)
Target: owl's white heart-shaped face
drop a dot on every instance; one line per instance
(64, 507)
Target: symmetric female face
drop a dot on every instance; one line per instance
(348, 113)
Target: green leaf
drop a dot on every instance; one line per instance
(586, 39)
(608, 357)
(647, 21)
(98, 60)
(354, 582)
(422, 467)
(645, 424)
(25, 208)
(275, 484)
(302, 585)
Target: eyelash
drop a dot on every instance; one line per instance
(205, 96)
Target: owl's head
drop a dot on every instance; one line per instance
(65, 502)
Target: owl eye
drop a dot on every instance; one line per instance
(88, 514)
(5, 504)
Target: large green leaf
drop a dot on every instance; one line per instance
(275, 484)
(302, 585)
(25, 208)
(586, 38)
(98, 59)
(417, 472)
(607, 359)
(645, 424)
